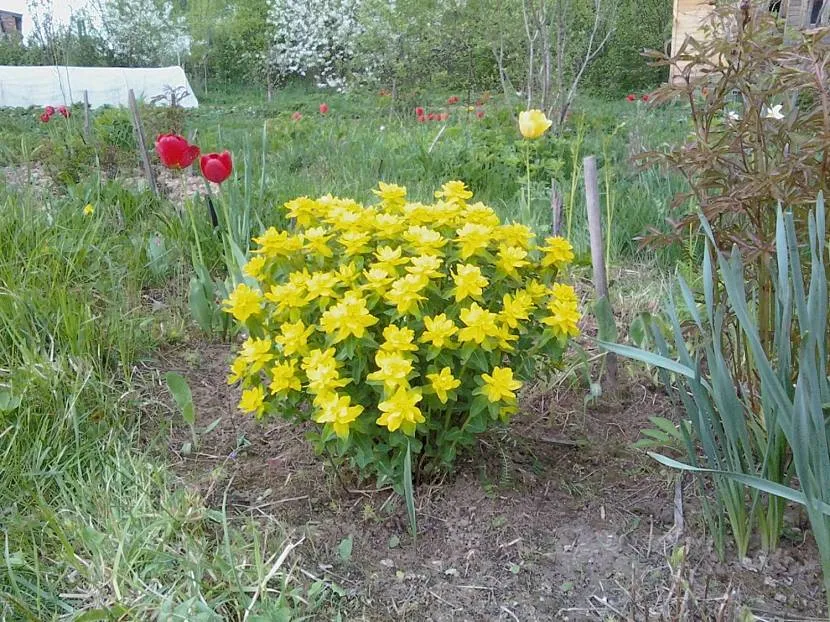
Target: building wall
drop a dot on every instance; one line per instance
(10, 22)
(689, 18)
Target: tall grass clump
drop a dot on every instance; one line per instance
(764, 443)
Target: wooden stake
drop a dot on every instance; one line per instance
(86, 115)
(142, 144)
(555, 208)
(592, 204)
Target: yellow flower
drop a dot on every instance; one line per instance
(275, 243)
(377, 279)
(255, 266)
(302, 210)
(355, 242)
(564, 293)
(388, 225)
(316, 241)
(284, 378)
(293, 337)
(505, 337)
(515, 234)
(558, 252)
(393, 368)
(348, 273)
(563, 318)
(321, 369)
(500, 385)
(388, 258)
(335, 410)
(426, 266)
(479, 324)
(404, 293)
(256, 353)
(533, 123)
(238, 369)
(511, 258)
(253, 401)
(442, 383)
(438, 330)
(392, 195)
(425, 240)
(472, 238)
(536, 290)
(88, 209)
(321, 285)
(480, 214)
(243, 302)
(398, 339)
(468, 281)
(515, 307)
(400, 411)
(454, 192)
(287, 296)
(349, 317)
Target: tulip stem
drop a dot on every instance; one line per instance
(189, 210)
(527, 164)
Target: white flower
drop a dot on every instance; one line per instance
(774, 112)
(733, 116)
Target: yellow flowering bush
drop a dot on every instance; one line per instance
(399, 326)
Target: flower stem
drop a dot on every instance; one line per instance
(527, 164)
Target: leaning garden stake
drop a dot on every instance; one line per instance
(602, 305)
(142, 143)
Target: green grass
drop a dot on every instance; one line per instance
(90, 522)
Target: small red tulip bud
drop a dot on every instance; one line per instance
(217, 167)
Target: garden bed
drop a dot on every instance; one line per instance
(555, 518)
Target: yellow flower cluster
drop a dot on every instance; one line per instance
(371, 314)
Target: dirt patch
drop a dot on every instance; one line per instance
(555, 518)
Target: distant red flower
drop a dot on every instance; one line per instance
(64, 112)
(45, 117)
(50, 110)
(480, 114)
(419, 112)
(297, 116)
(631, 97)
(452, 100)
(324, 108)
(443, 116)
(432, 116)
(217, 167)
(175, 152)
(646, 97)
(422, 118)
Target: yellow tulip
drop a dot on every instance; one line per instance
(533, 123)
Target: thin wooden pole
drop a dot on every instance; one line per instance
(592, 204)
(555, 208)
(86, 115)
(142, 144)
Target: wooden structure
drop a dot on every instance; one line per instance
(691, 15)
(10, 23)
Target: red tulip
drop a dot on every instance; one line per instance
(175, 152)
(45, 117)
(646, 97)
(480, 114)
(432, 116)
(631, 97)
(422, 118)
(217, 167)
(297, 116)
(64, 112)
(50, 110)
(419, 112)
(324, 108)
(452, 100)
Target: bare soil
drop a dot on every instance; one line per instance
(555, 518)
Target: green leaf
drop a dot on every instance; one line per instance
(753, 481)
(606, 323)
(201, 308)
(409, 494)
(9, 401)
(180, 391)
(344, 549)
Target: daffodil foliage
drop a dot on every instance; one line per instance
(398, 324)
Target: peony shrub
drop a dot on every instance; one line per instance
(398, 327)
